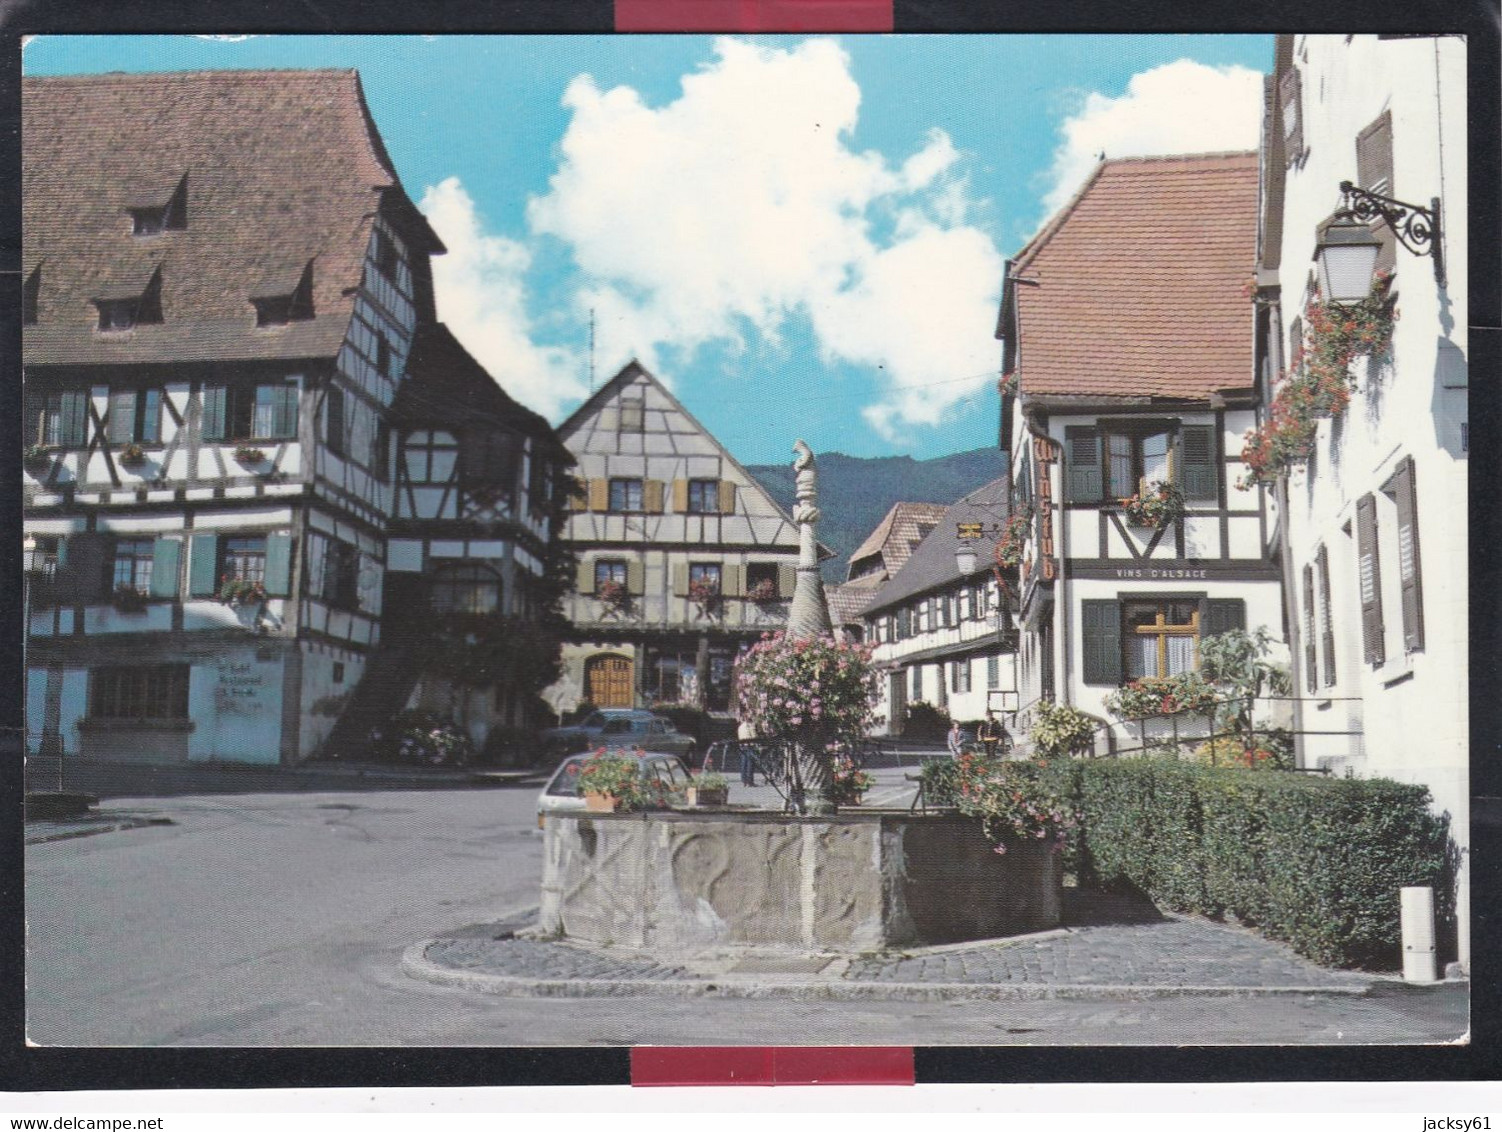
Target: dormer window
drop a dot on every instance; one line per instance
(123, 312)
(154, 219)
(274, 308)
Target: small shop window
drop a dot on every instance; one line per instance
(139, 692)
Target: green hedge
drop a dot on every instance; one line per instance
(1314, 861)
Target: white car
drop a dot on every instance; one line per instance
(561, 794)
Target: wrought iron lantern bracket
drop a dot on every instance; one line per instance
(1416, 228)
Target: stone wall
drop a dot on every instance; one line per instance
(681, 883)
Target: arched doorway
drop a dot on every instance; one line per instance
(608, 681)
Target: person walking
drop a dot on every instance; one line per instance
(990, 733)
(745, 734)
(956, 739)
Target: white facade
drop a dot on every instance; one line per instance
(1392, 665)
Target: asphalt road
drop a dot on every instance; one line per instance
(280, 919)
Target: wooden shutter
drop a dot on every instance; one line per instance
(734, 580)
(1327, 611)
(652, 493)
(586, 579)
(73, 427)
(1083, 482)
(1369, 579)
(1374, 172)
(166, 553)
(1311, 679)
(214, 414)
(279, 565)
(1410, 580)
(680, 579)
(1290, 95)
(122, 422)
(680, 496)
(599, 495)
(727, 498)
(1221, 615)
(787, 579)
(284, 413)
(1101, 625)
(87, 560)
(1197, 476)
(203, 565)
(635, 582)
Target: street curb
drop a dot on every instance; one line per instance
(105, 827)
(417, 965)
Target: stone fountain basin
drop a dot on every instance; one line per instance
(681, 883)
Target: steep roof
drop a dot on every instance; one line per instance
(1134, 289)
(281, 168)
(932, 565)
(897, 534)
(445, 385)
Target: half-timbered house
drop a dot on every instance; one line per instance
(1128, 363)
(683, 558)
(880, 555)
(224, 282)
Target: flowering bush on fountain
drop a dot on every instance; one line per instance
(806, 688)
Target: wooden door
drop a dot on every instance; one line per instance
(608, 679)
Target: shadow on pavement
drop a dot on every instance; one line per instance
(1092, 908)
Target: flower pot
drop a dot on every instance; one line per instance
(600, 803)
(708, 795)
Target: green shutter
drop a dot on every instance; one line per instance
(165, 556)
(73, 428)
(1222, 615)
(1197, 464)
(1082, 453)
(278, 565)
(213, 412)
(203, 562)
(1101, 625)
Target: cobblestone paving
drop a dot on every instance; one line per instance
(532, 959)
(1171, 953)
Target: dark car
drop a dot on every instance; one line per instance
(585, 734)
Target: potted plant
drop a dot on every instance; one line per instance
(1061, 731)
(249, 454)
(1157, 505)
(709, 789)
(763, 592)
(132, 455)
(1014, 538)
(36, 457)
(614, 595)
(705, 594)
(241, 591)
(848, 782)
(611, 783)
(128, 599)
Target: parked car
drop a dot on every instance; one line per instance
(622, 729)
(561, 794)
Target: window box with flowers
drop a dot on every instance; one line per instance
(132, 455)
(1319, 382)
(241, 591)
(763, 592)
(1157, 505)
(248, 454)
(705, 593)
(1149, 696)
(1014, 538)
(128, 599)
(614, 596)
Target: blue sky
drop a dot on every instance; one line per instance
(803, 236)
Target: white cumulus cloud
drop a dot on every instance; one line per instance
(742, 205)
(480, 289)
(1180, 107)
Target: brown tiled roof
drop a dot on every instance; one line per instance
(848, 599)
(1139, 282)
(282, 167)
(932, 566)
(897, 534)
